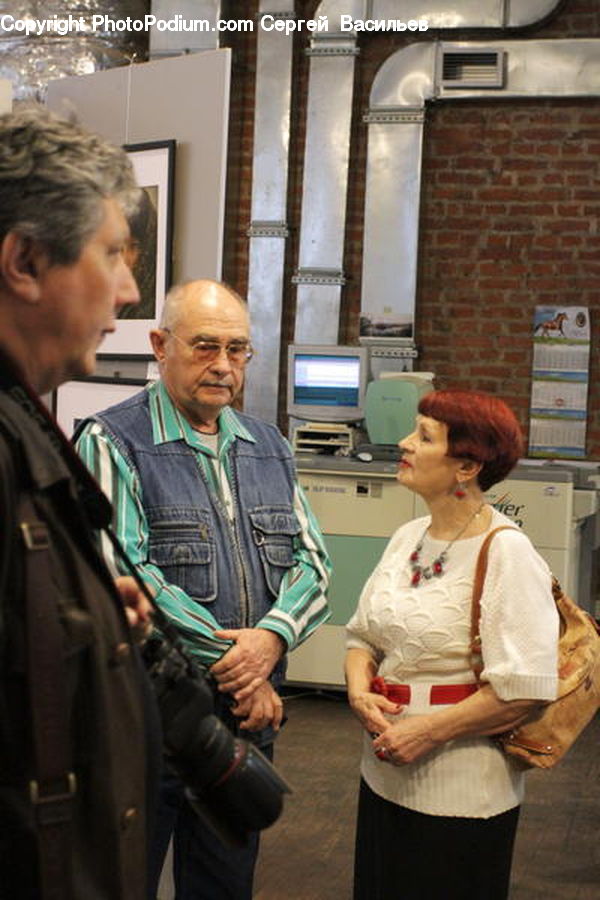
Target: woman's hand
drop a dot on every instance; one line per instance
(481, 714)
(371, 710)
(369, 707)
(405, 741)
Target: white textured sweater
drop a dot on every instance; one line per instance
(420, 636)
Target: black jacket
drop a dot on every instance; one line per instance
(106, 689)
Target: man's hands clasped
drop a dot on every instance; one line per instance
(248, 664)
(243, 672)
(264, 707)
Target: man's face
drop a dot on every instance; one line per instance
(80, 301)
(201, 388)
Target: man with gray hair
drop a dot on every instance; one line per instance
(208, 507)
(76, 718)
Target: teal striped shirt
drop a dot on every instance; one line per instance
(301, 605)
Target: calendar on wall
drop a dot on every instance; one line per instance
(560, 377)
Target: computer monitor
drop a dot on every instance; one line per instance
(327, 383)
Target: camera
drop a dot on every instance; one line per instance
(230, 784)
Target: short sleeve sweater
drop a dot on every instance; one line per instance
(421, 636)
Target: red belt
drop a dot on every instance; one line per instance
(439, 693)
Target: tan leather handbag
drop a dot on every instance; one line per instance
(543, 739)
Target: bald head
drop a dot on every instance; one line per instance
(203, 294)
(201, 383)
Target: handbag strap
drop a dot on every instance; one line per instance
(53, 789)
(480, 572)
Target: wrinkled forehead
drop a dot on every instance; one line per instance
(214, 314)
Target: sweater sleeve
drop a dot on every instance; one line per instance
(519, 621)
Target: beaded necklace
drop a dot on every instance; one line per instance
(436, 567)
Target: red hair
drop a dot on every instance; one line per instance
(481, 427)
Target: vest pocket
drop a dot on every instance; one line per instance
(183, 549)
(274, 529)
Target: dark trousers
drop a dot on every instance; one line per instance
(203, 867)
(406, 855)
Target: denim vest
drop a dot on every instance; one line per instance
(232, 568)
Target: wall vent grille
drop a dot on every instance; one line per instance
(473, 69)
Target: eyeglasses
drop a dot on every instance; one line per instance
(238, 352)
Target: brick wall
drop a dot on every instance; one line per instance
(510, 219)
(510, 215)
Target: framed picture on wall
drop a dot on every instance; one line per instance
(149, 252)
(75, 400)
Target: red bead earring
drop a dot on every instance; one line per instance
(460, 492)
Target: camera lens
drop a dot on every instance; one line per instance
(229, 782)
(248, 796)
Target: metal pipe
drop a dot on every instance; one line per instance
(319, 277)
(440, 14)
(268, 229)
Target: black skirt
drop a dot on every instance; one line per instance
(407, 855)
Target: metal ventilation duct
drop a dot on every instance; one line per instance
(534, 69)
(320, 276)
(441, 13)
(472, 68)
(268, 229)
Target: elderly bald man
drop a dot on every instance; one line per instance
(208, 508)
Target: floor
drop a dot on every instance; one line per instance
(307, 854)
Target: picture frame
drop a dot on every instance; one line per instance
(149, 253)
(78, 399)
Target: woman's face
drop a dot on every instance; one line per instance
(425, 467)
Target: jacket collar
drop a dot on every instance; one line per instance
(30, 426)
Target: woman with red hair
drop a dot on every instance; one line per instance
(439, 800)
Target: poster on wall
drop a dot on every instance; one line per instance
(384, 322)
(559, 388)
(149, 250)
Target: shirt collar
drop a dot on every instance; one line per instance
(169, 424)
